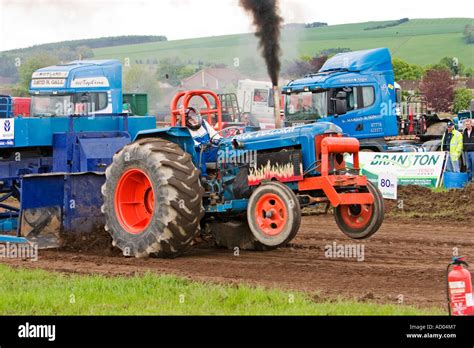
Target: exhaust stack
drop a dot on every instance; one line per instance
(267, 20)
(277, 108)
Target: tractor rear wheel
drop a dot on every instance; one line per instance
(273, 215)
(152, 199)
(360, 221)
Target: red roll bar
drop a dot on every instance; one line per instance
(178, 110)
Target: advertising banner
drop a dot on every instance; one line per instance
(411, 168)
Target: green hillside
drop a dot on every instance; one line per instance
(419, 41)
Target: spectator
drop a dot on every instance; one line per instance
(452, 143)
(468, 145)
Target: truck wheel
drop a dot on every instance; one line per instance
(273, 215)
(361, 221)
(152, 199)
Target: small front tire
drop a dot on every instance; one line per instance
(273, 215)
(360, 221)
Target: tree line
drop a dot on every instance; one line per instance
(65, 51)
(389, 24)
(92, 43)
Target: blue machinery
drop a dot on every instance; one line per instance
(53, 162)
(357, 92)
(6, 106)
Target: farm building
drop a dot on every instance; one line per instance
(218, 79)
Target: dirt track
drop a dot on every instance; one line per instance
(403, 258)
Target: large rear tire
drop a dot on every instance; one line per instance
(152, 199)
(361, 221)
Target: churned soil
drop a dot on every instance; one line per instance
(404, 261)
(416, 203)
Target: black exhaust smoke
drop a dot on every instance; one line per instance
(268, 22)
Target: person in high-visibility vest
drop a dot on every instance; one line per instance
(452, 143)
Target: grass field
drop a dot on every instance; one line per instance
(420, 41)
(35, 292)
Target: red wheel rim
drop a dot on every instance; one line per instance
(271, 214)
(356, 216)
(134, 201)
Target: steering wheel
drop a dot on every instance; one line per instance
(232, 131)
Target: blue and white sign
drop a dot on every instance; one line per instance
(7, 131)
(90, 82)
(410, 168)
(48, 83)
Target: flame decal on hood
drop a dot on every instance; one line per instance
(283, 173)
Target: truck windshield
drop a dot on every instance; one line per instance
(84, 103)
(306, 106)
(51, 106)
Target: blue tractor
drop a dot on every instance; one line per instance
(52, 163)
(357, 92)
(79, 165)
(156, 204)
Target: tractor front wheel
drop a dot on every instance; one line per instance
(360, 221)
(152, 199)
(274, 215)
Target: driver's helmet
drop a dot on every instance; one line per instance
(193, 118)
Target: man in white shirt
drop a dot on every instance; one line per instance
(206, 138)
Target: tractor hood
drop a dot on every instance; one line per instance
(299, 137)
(284, 137)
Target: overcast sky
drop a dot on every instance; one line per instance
(28, 22)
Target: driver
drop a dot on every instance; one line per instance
(82, 107)
(204, 136)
